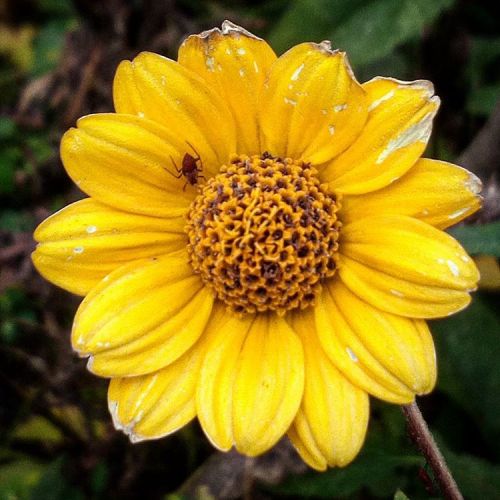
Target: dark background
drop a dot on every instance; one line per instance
(57, 60)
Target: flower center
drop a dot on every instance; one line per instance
(263, 233)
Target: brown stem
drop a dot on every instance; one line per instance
(86, 82)
(482, 155)
(422, 437)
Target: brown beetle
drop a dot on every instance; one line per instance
(189, 169)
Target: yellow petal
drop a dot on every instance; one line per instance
(398, 295)
(82, 243)
(157, 404)
(251, 383)
(312, 106)
(168, 93)
(405, 266)
(268, 385)
(406, 247)
(330, 426)
(394, 137)
(386, 345)
(123, 160)
(142, 317)
(433, 191)
(341, 339)
(214, 395)
(301, 437)
(234, 63)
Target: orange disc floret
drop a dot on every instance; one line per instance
(263, 233)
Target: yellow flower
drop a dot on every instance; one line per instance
(261, 245)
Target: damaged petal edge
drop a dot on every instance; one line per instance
(326, 45)
(229, 28)
(113, 410)
(418, 132)
(204, 34)
(326, 48)
(426, 85)
(90, 361)
(350, 71)
(128, 429)
(473, 184)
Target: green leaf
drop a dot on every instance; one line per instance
(482, 100)
(468, 351)
(396, 64)
(483, 239)
(399, 495)
(18, 478)
(14, 221)
(48, 46)
(38, 428)
(321, 15)
(9, 160)
(476, 478)
(8, 331)
(483, 53)
(374, 470)
(377, 27)
(386, 462)
(99, 478)
(14, 305)
(489, 269)
(53, 484)
(368, 31)
(56, 7)
(7, 128)
(12, 300)
(40, 148)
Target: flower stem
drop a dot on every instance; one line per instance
(422, 437)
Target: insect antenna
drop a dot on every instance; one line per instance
(194, 150)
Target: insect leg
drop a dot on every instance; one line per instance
(177, 169)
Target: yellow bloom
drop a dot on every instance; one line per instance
(261, 245)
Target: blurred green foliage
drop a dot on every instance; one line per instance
(366, 30)
(55, 436)
(477, 240)
(47, 46)
(10, 154)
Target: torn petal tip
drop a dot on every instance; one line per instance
(326, 45)
(228, 28)
(474, 184)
